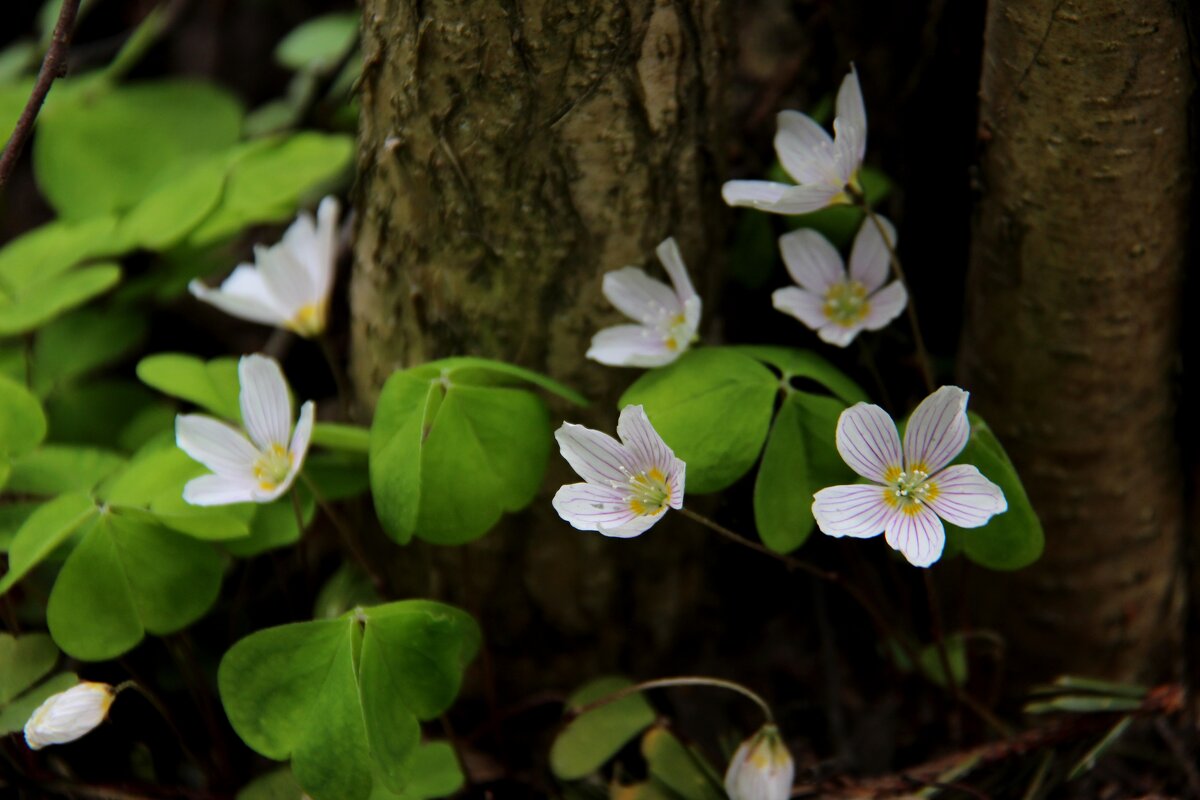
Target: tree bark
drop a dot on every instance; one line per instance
(1073, 316)
(511, 153)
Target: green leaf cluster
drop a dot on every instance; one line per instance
(24, 661)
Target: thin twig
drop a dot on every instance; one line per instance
(347, 536)
(53, 66)
(680, 680)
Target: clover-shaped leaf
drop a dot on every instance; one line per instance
(455, 444)
(343, 698)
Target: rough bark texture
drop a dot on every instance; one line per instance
(1070, 345)
(512, 152)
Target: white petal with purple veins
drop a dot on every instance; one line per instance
(885, 305)
(868, 442)
(857, 510)
(266, 408)
(918, 534)
(870, 260)
(937, 431)
(965, 498)
(811, 260)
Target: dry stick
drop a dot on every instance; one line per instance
(680, 680)
(918, 339)
(53, 66)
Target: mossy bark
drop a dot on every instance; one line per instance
(511, 153)
(1074, 310)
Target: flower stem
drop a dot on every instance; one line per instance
(918, 340)
(347, 535)
(680, 680)
(153, 700)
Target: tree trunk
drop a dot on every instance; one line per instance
(1073, 317)
(512, 152)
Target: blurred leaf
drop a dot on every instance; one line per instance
(24, 660)
(212, 385)
(1073, 683)
(1093, 755)
(793, 362)
(106, 150)
(14, 716)
(45, 529)
(337, 475)
(1083, 704)
(337, 436)
(278, 785)
(175, 206)
(433, 772)
(319, 42)
(18, 59)
(595, 736)
(452, 424)
(126, 578)
(35, 305)
(12, 517)
(22, 421)
(713, 407)
(92, 412)
(55, 469)
(272, 526)
(754, 249)
(82, 342)
(956, 655)
(346, 588)
(51, 249)
(679, 767)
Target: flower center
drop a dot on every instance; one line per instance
(272, 467)
(846, 303)
(308, 320)
(676, 333)
(910, 490)
(649, 492)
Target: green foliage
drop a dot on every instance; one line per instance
(318, 42)
(212, 385)
(25, 660)
(595, 736)
(32, 306)
(1011, 540)
(839, 224)
(336, 436)
(83, 342)
(22, 423)
(14, 715)
(129, 576)
(57, 469)
(455, 444)
(681, 769)
(343, 698)
(45, 529)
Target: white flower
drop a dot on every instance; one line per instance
(290, 282)
(257, 469)
(629, 484)
(667, 318)
(66, 716)
(835, 304)
(761, 769)
(918, 490)
(826, 169)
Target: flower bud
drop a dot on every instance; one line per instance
(761, 769)
(66, 716)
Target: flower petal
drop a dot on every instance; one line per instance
(805, 149)
(220, 447)
(650, 451)
(632, 346)
(266, 408)
(885, 305)
(303, 434)
(839, 335)
(858, 510)
(635, 527)
(937, 431)
(779, 198)
(242, 296)
(811, 260)
(314, 246)
(640, 297)
(672, 261)
(288, 281)
(870, 260)
(219, 490)
(918, 534)
(596, 457)
(964, 497)
(868, 442)
(802, 304)
(588, 506)
(850, 124)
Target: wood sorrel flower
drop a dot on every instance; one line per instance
(254, 469)
(916, 490)
(826, 168)
(833, 302)
(628, 485)
(289, 284)
(66, 716)
(761, 769)
(667, 318)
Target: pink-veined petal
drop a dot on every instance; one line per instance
(918, 534)
(937, 431)
(266, 408)
(588, 506)
(219, 490)
(672, 261)
(850, 124)
(298, 447)
(857, 510)
(839, 335)
(241, 303)
(633, 346)
(811, 260)
(642, 440)
(868, 442)
(220, 447)
(596, 457)
(676, 479)
(780, 198)
(691, 318)
(870, 260)
(640, 297)
(885, 305)
(635, 527)
(805, 150)
(802, 304)
(964, 497)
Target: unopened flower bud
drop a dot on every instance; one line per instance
(66, 716)
(761, 769)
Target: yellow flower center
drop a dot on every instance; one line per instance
(650, 492)
(846, 303)
(909, 490)
(309, 320)
(676, 333)
(272, 467)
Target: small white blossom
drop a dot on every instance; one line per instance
(914, 489)
(667, 318)
(761, 769)
(248, 469)
(289, 284)
(825, 168)
(835, 303)
(628, 485)
(66, 716)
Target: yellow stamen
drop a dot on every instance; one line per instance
(846, 303)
